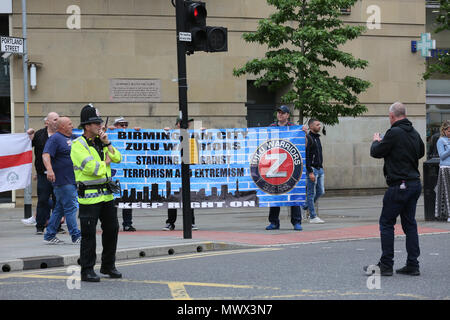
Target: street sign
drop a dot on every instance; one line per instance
(185, 36)
(12, 45)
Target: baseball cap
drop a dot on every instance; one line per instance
(284, 109)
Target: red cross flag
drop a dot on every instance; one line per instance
(15, 161)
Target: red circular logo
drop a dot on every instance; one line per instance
(276, 166)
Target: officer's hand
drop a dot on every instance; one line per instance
(103, 137)
(312, 177)
(107, 159)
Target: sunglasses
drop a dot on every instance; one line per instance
(123, 124)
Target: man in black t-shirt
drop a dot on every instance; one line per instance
(44, 187)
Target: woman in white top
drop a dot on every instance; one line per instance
(443, 184)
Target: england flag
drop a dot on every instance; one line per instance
(15, 161)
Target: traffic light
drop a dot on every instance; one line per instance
(195, 24)
(203, 37)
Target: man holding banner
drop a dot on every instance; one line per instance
(283, 114)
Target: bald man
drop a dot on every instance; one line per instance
(44, 187)
(401, 148)
(57, 161)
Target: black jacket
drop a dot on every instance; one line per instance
(401, 149)
(314, 157)
(39, 140)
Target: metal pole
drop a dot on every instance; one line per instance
(28, 190)
(183, 107)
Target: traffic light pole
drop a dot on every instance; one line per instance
(182, 96)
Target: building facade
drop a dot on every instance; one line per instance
(97, 51)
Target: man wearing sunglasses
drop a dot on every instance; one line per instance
(127, 214)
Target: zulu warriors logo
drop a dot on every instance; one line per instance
(276, 166)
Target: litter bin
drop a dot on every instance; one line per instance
(430, 176)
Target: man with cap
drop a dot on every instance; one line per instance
(91, 155)
(283, 114)
(172, 213)
(127, 214)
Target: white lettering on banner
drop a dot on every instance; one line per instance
(221, 167)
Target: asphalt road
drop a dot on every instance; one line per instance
(326, 270)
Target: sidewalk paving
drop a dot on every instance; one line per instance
(219, 229)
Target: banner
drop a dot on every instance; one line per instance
(15, 161)
(248, 167)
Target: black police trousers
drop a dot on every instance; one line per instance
(89, 216)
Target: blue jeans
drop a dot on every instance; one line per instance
(314, 189)
(401, 202)
(66, 205)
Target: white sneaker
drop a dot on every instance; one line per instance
(316, 220)
(31, 221)
(53, 241)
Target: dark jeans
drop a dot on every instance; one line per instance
(127, 216)
(172, 216)
(89, 216)
(401, 202)
(44, 205)
(296, 215)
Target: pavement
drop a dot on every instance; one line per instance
(346, 218)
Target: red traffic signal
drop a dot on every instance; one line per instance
(195, 13)
(203, 38)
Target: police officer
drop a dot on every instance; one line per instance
(91, 155)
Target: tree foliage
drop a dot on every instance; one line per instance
(442, 64)
(303, 39)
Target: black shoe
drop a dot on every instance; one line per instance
(384, 271)
(90, 276)
(39, 231)
(411, 271)
(129, 229)
(112, 272)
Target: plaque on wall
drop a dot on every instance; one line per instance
(135, 90)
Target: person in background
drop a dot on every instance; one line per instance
(315, 176)
(172, 213)
(401, 148)
(442, 207)
(127, 214)
(57, 161)
(46, 198)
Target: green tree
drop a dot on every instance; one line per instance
(442, 63)
(303, 39)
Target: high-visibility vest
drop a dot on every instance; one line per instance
(91, 170)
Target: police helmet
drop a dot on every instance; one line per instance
(89, 114)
